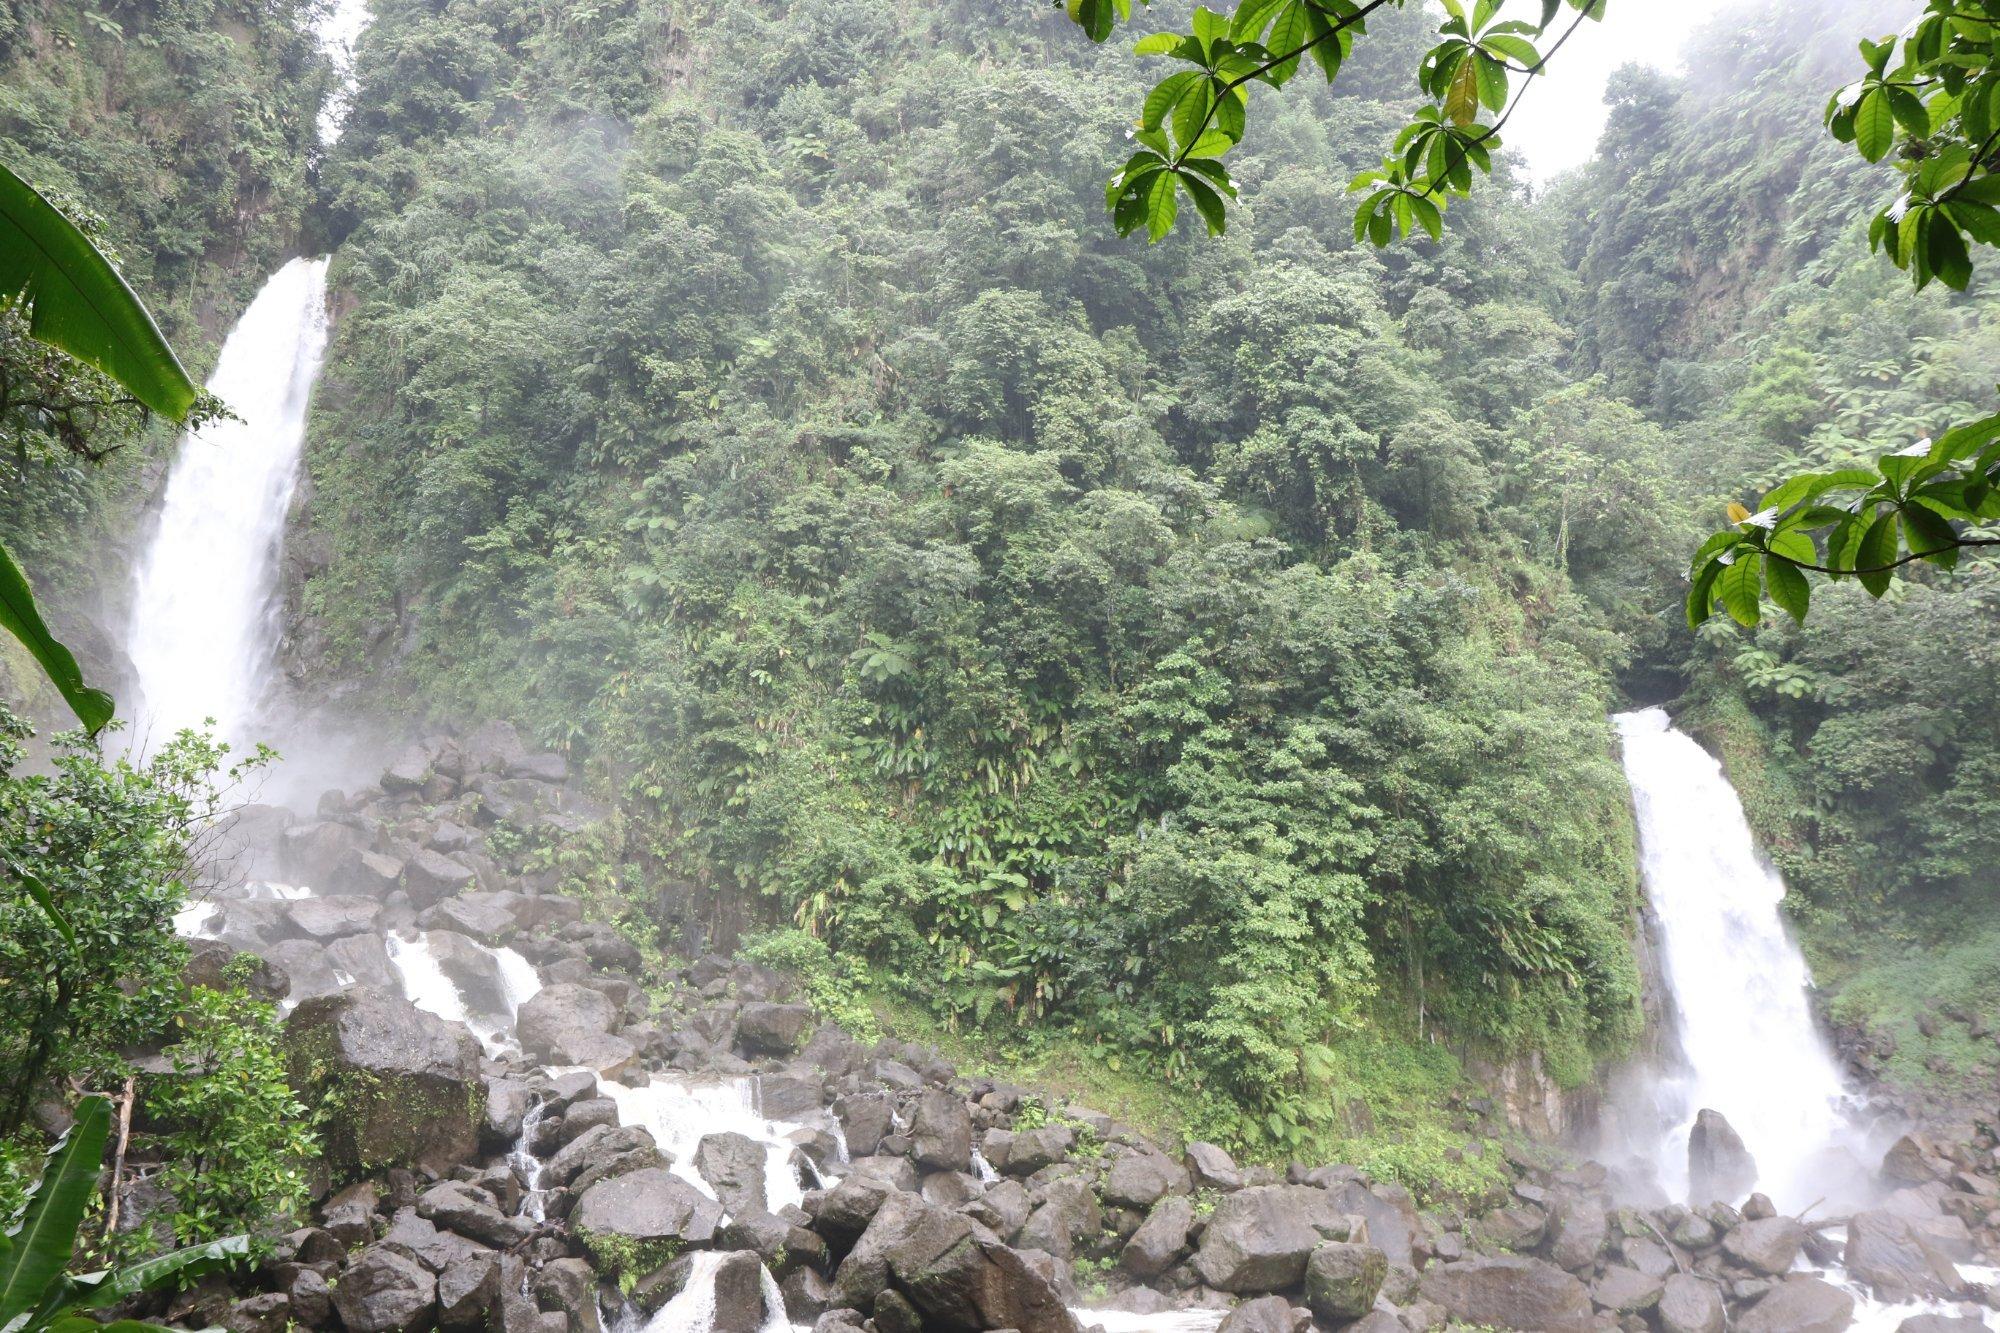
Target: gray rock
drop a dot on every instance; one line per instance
(382, 1291)
(640, 1216)
(1799, 1304)
(419, 1239)
(406, 1083)
(1579, 1231)
(1266, 1314)
(1161, 1239)
(564, 1022)
(467, 1291)
(1032, 1149)
(1627, 1290)
(1212, 1168)
(1257, 1239)
(485, 917)
(1067, 1213)
(471, 1212)
(955, 1278)
(772, 1029)
(1141, 1179)
(365, 960)
(1689, 1304)
(331, 918)
(472, 968)
(1720, 1168)
(1889, 1254)
(866, 1118)
(941, 1132)
(733, 1166)
(1342, 1280)
(1940, 1323)
(1514, 1293)
(429, 877)
(1768, 1246)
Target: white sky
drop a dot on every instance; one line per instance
(1561, 116)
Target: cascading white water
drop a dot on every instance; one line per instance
(680, 1114)
(201, 635)
(1739, 983)
(430, 988)
(692, 1310)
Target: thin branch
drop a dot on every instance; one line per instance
(1959, 545)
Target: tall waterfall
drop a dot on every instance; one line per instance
(204, 624)
(1738, 982)
(204, 606)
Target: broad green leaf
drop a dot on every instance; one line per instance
(1461, 101)
(1790, 589)
(1876, 553)
(193, 1260)
(1163, 205)
(1930, 536)
(1701, 595)
(1738, 587)
(1793, 545)
(1165, 95)
(78, 303)
(46, 1237)
(20, 617)
(1874, 125)
(1209, 203)
(1158, 44)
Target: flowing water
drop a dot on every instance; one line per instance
(1738, 982)
(679, 1114)
(202, 633)
(692, 1310)
(1739, 985)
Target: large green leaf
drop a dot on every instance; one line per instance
(20, 617)
(45, 1237)
(145, 1276)
(78, 303)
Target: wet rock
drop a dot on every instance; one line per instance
(637, 1218)
(1914, 1160)
(954, 1278)
(1518, 1227)
(317, 853)
(602, 1153)
(467, 1290)
(472, 969)
(266, 1312)
(1161, 1239)
(1031, 1150)
(845, 1211)
(1514, 1293)
(1067, 1213)
(364, 961)
(1768, 1246)
(1257, 1239)
(565, 1022)
(1799, 1304)
(1266, 1314)
(1342, 1280)
(1388, 1209)
(941, 1132)
(471, 1212)
(383, 1291)
(419, 1239)
(865, 1119)
(733, 1166)
(1940, 1323)
(1689, 1304)
(430, 877)
(1141, 1179)
(1212, 1168)
(310, 1297)
(210, 964)
(1579, 1234)
(405, 1084)
(1626, 1290)
(1720, 1168)
(1887, 1253)
(772, 1029)
(739, 1294)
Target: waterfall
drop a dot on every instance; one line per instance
(1738, 981)
(680, 1114)
(202, 635)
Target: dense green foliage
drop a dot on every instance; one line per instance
(1183, 647)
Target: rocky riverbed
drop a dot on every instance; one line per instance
(525, 1133)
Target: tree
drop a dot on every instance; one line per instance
(1929, 97)
(76, 302)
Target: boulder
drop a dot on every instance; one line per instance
(1257, 1239)
(431, 876)
(332, 917)
(1578, 1233)
(940, 1131)
(600, 1153)
(318, 853)
(1266, 1314)
(1212, 1168)
(1768, 1246)
(467, 1290)
(420, 1239)
(637, 1221)
(472, 968)
(1161, 1239)
(266, 1312)
(1941, 1323)
(1516, 1293)
(486, 917)
(1032, 1149)
(1914, 1160)
(403, 1086)
(564, 1022)
(1720, 1168)
(1626, 1290)
(1067, 1213)
(1886, 1251)
(473, 1212)
(1141, 1179)
(1689, 1304)
(866, 1118)
(956, 1279)
(383, 1291)
(772, 1029)
(1342, 1280)
(1799, 1304)
(733, 1166)
(1388, 1209)
(364, 961)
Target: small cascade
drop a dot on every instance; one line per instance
(429, 987)
(534, 1204)
(692, 1310)
(680, 1114)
